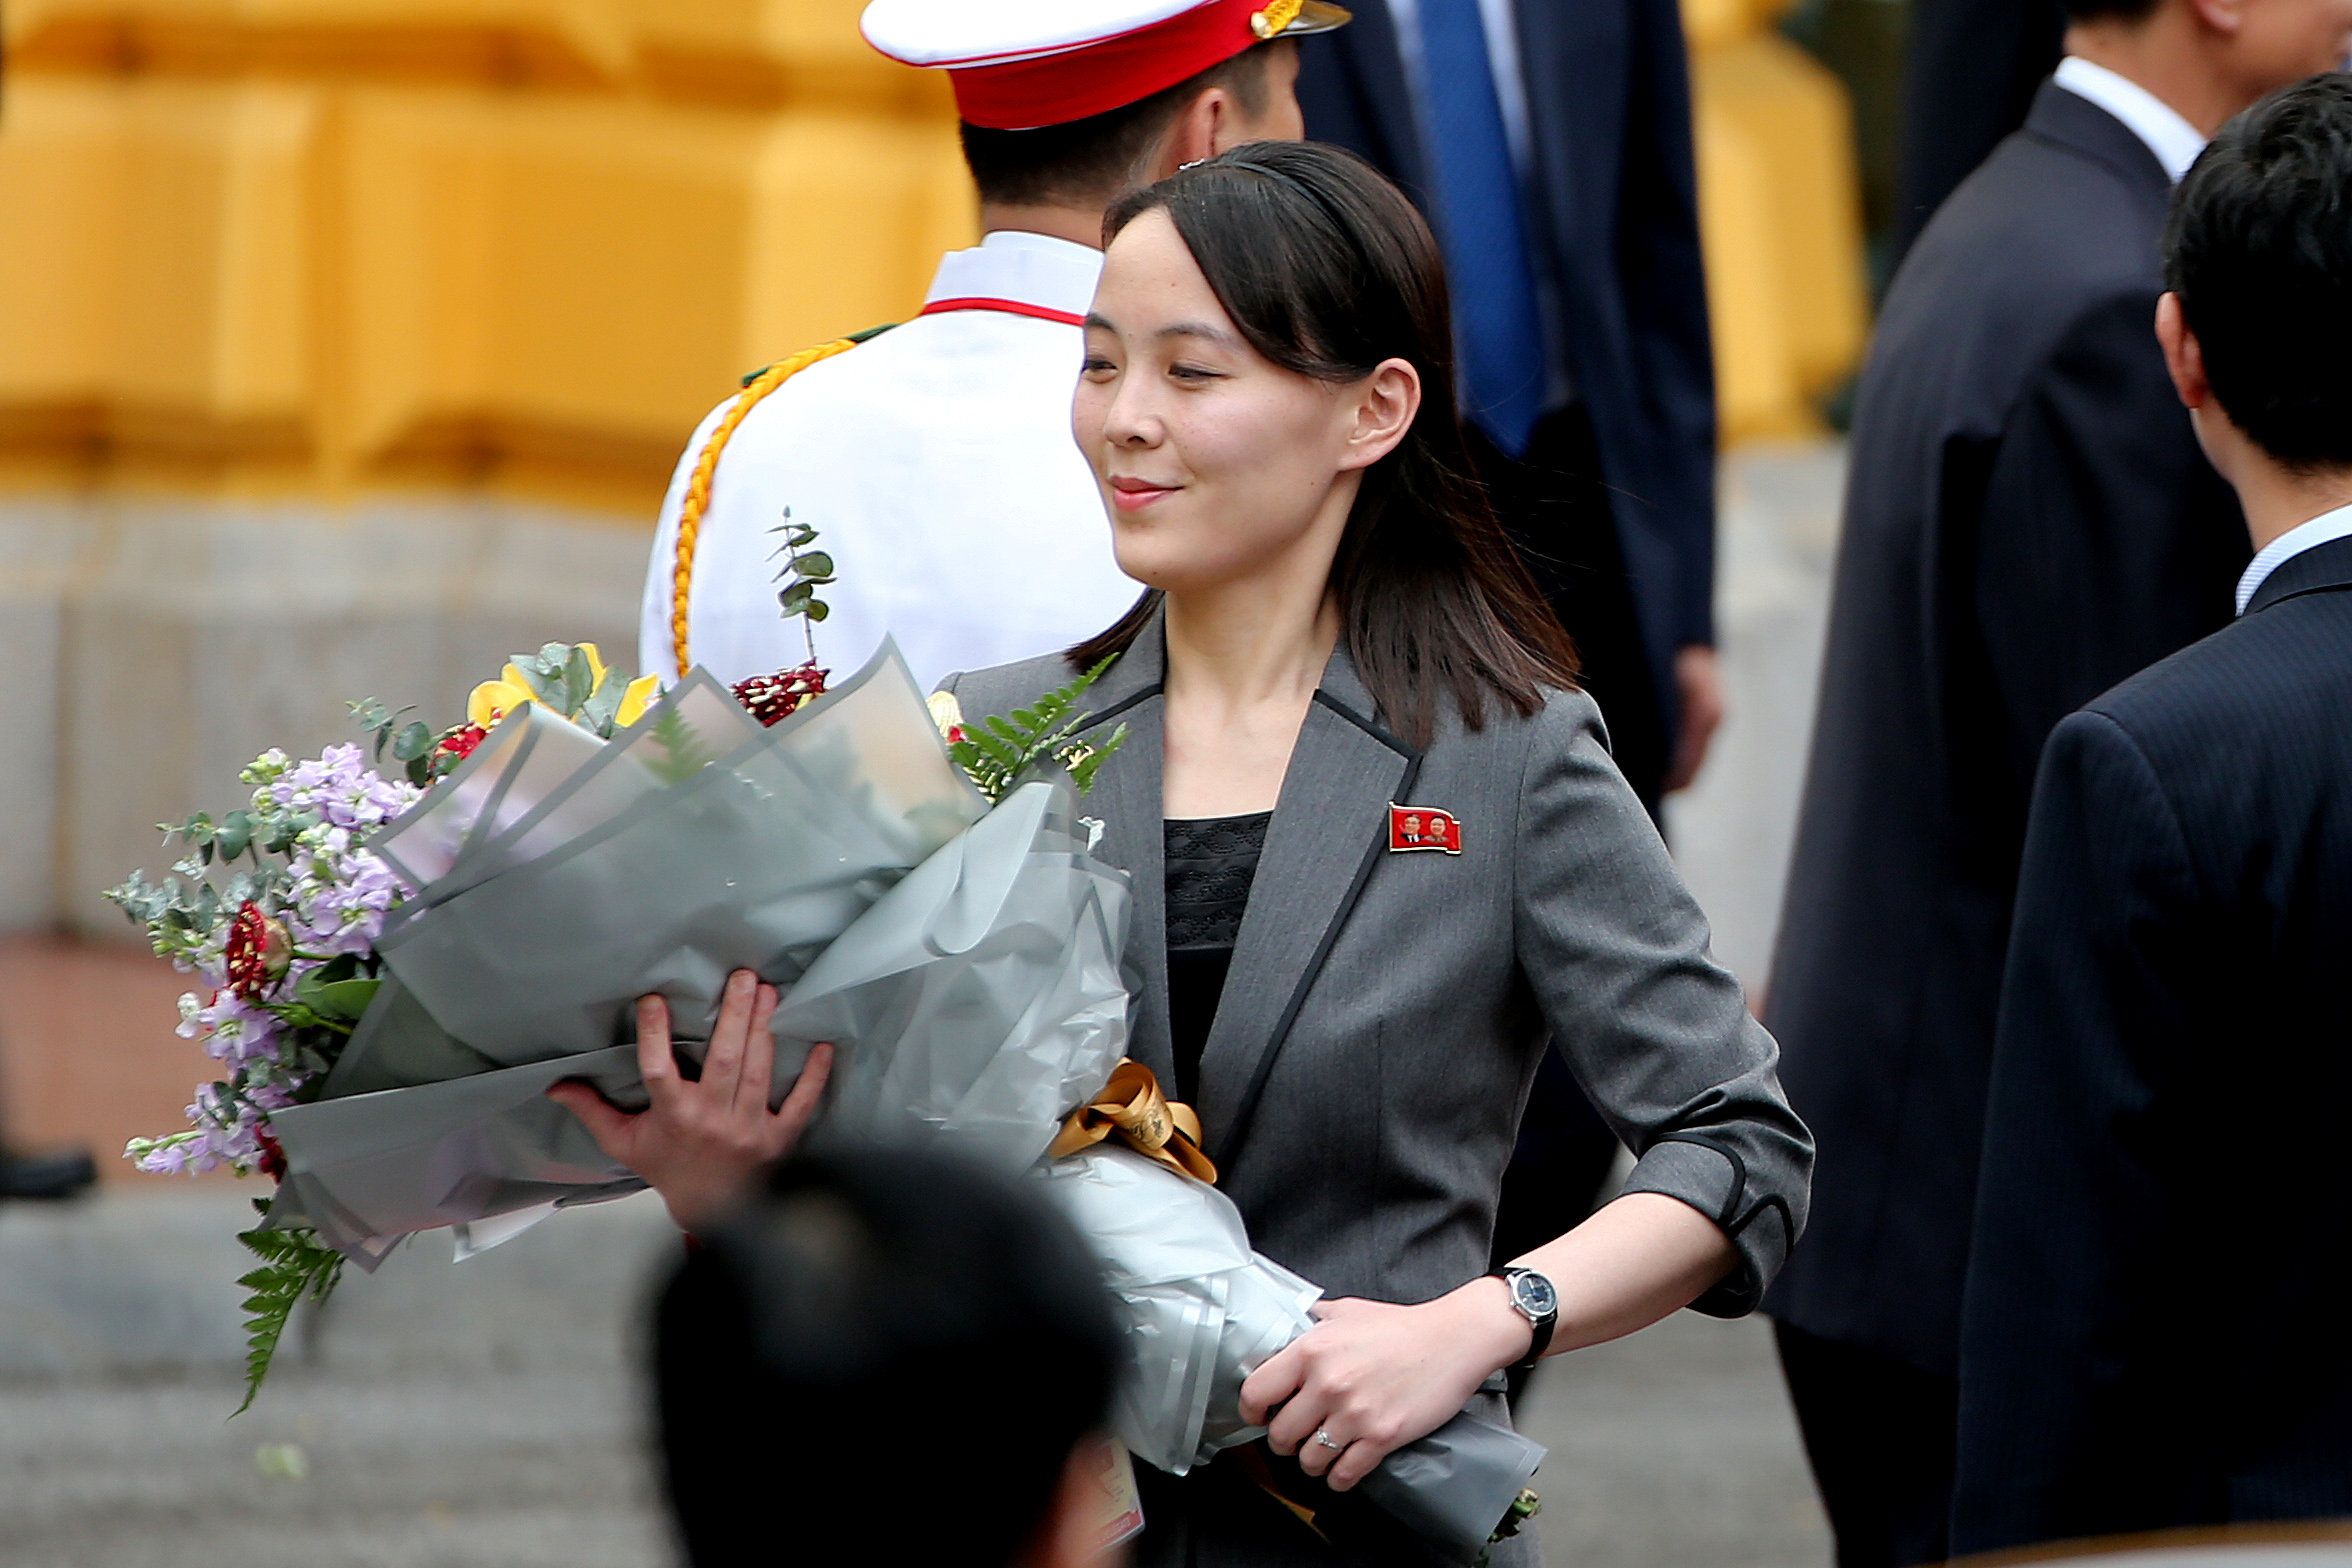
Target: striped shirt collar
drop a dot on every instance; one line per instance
(2323, 529)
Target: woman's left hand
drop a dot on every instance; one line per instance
(1374, 1376)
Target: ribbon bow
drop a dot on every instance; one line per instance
(1134, 1108)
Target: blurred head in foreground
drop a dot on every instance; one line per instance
(2257, 323)
(888, 1348)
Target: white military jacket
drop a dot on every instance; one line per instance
(937, 466)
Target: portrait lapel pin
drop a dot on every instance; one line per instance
(1422, 827)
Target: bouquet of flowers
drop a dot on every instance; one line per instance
(276, 909)
(402, 965)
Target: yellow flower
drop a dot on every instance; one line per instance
(494, 700)
(639, 696)
(946, 712)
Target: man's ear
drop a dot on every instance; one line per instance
(2184, 357)
(2226, 17)
(1194, 135)
(1384, 410)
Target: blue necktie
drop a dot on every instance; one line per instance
(1497, 325)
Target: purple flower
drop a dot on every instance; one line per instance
(340, 787)
(339, 904)
(232, 1029)
(172, 1156)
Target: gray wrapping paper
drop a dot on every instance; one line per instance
(695, 843)
(981, 999)
(1203, 1312)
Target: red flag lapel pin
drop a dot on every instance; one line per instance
(1422, 827)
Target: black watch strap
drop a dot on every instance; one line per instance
(1541, 1324)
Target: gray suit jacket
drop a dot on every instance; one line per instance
(1363, 1080)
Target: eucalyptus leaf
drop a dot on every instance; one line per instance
(815, 564)
(604, 704)
(544, 684)
(579, 681)
(413, 741)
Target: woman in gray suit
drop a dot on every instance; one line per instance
(1380, 853)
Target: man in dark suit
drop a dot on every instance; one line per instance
(1970, 72)
(2028, 521)
(2153, 1333)
(1553, 158)
(1554, 161)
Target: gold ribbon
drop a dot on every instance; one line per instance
(1133, 1108)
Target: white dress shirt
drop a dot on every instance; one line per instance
(2326, 528)
(937, 466)
(2173, 140)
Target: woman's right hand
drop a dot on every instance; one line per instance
(702, 1142)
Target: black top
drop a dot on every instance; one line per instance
(1211, 864)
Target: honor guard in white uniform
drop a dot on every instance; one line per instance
(934, 458)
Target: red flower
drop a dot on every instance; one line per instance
(257, 953)
(955, 734)
(459, 743)
(771, 698)
(273, 1155)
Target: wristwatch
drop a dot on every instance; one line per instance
(1534, 1299)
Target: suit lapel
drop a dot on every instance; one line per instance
(2072, 121)
(1330, 827)
(1126, 800)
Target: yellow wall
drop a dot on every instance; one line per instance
(313, 246)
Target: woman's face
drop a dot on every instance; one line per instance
(1216, 464)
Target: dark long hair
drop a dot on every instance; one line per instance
(1327, 270)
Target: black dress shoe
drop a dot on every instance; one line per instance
(59, 1174)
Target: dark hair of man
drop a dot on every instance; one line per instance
(1328, 270)
(1086, 162)
(2110, 10)
(2259, 249)
(885, 1348)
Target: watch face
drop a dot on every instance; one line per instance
(1533, 1294)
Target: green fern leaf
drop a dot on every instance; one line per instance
(1006, 754)
(296, 1266)
(678, 753)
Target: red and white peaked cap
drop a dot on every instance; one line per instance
(1021, 64)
